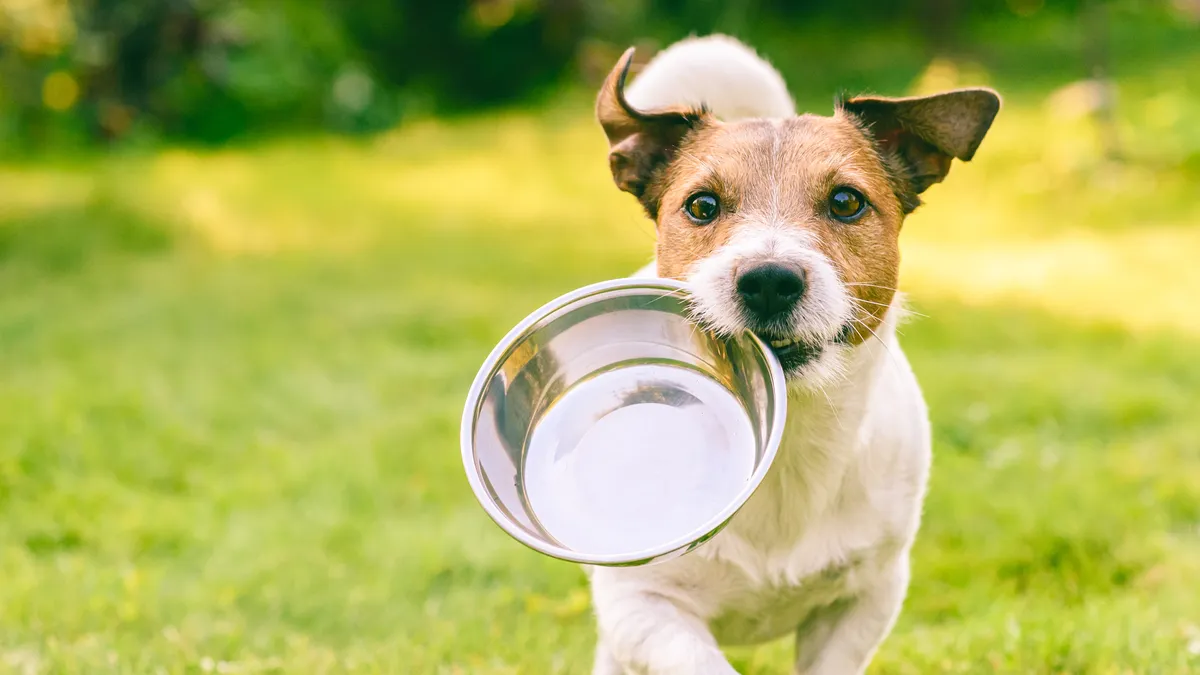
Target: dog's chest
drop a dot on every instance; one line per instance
(769, 612)
(764, 593)
(767, 589)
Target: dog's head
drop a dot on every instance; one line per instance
(789, 227)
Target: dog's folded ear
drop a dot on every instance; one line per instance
(640, 142)
(925, 133)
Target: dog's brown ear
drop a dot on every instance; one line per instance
(640, 142)
(925, 133)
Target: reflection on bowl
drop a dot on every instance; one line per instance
(608, 429)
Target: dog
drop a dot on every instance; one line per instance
(785, 225)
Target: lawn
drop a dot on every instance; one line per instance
(231, 384)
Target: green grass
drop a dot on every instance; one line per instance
(231, 384)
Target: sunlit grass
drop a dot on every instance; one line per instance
(232, 380)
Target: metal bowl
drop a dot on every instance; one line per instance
(608, 429)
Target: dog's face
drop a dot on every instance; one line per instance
(789, 227)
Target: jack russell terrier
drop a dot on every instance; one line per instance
(786, 225)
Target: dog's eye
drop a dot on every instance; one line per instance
(702, 208)
(846, 204)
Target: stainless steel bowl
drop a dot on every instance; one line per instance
(607, 429)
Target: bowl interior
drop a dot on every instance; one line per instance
(608, 428)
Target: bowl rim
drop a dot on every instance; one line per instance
(776, 382)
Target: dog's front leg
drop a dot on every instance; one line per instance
(643, 632)
(842, 638)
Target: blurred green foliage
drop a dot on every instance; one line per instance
(74, 72)
(211, 70)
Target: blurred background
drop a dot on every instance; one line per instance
(252, 253)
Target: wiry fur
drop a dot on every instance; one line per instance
(821, 549)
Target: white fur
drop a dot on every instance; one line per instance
(821, 549)
(717, 71)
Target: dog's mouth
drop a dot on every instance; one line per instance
(794, 352)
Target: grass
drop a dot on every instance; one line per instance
(231, 384)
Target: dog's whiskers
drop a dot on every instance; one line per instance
(700, 321)
(891, 354)
(884, 304)
(886, 288)
(697, 322)
(674, 292)
(872, 302)
(832, 407)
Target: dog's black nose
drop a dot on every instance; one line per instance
(770, 291)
